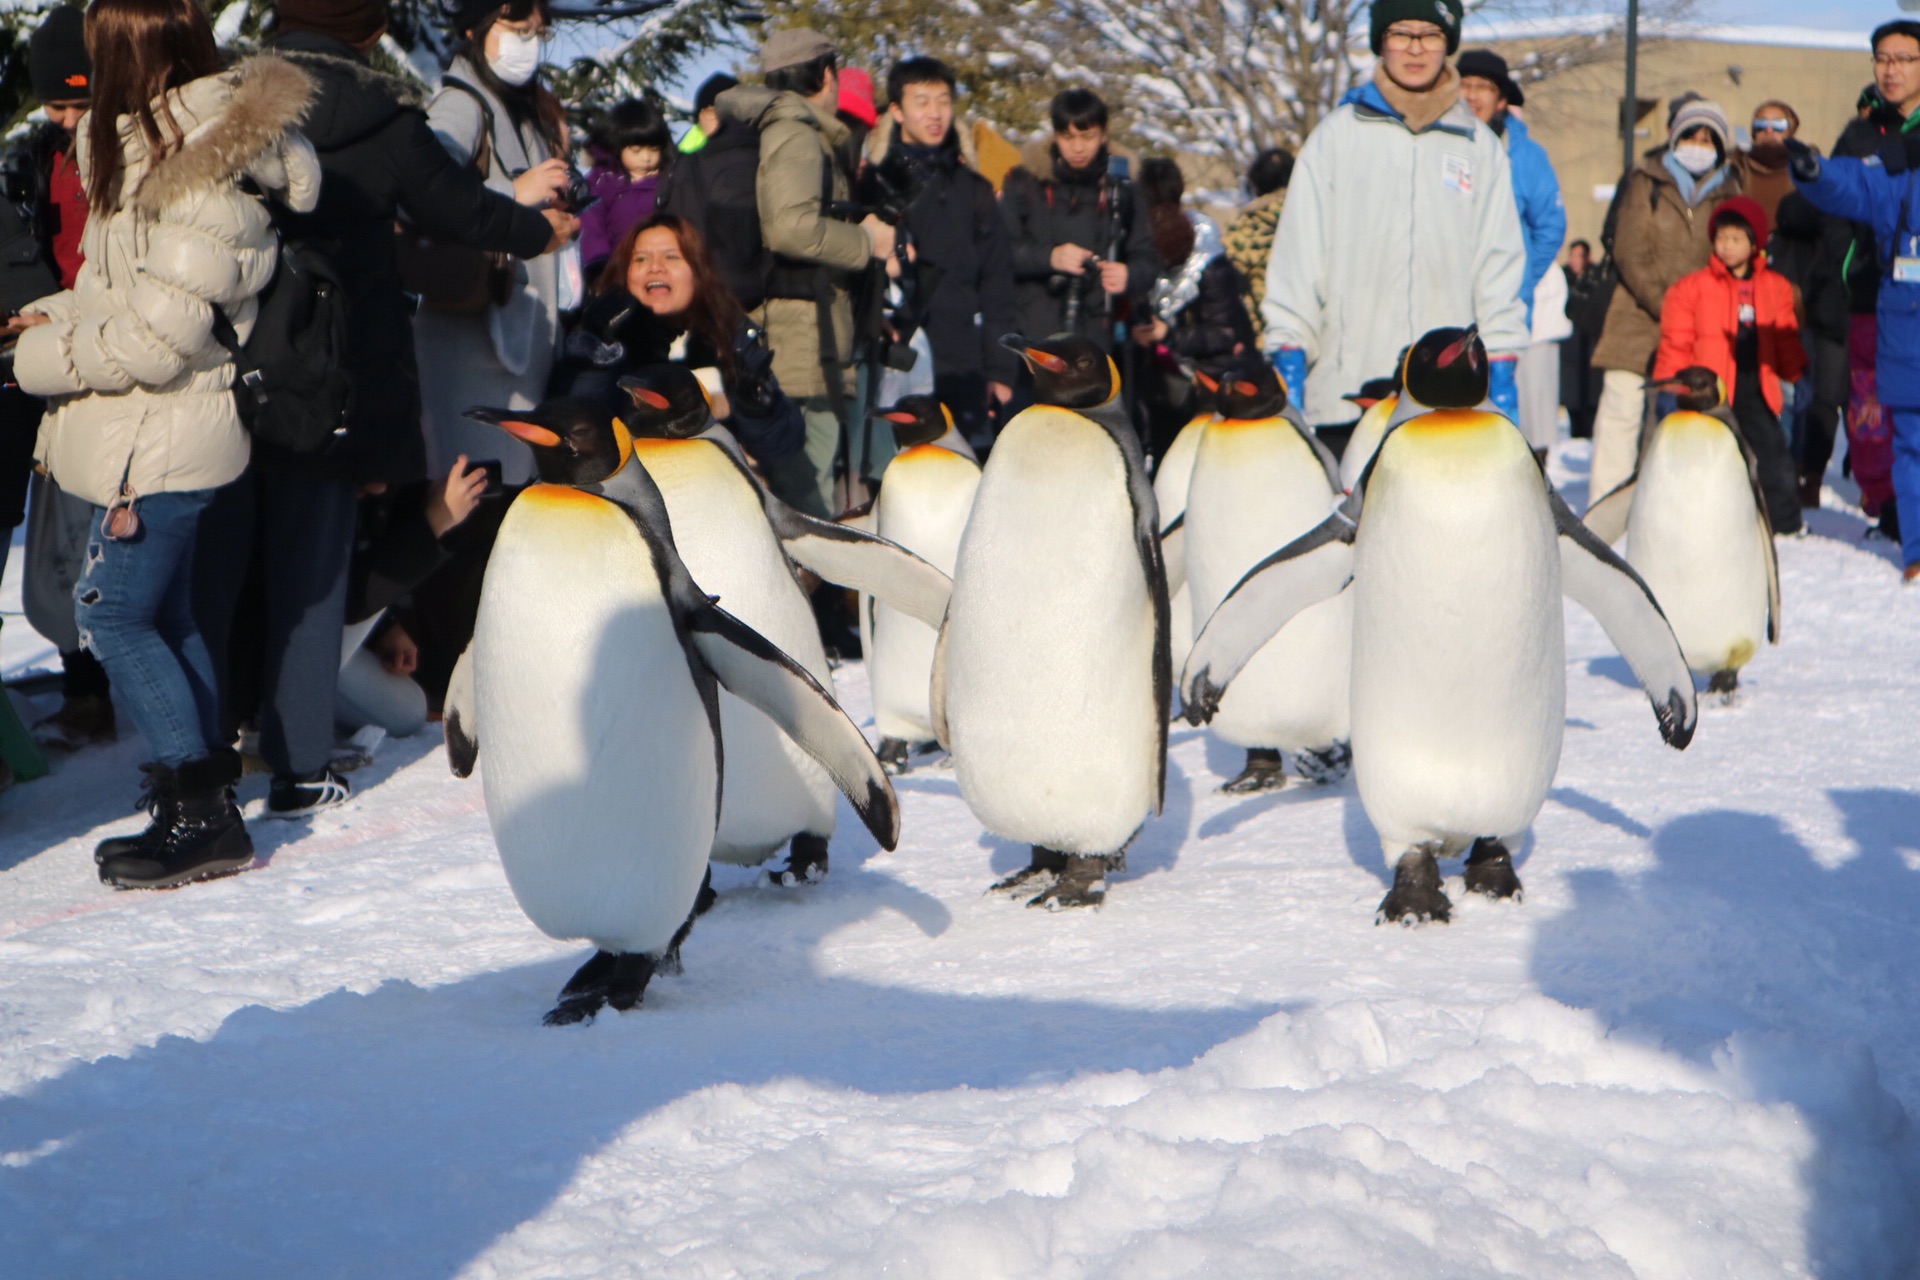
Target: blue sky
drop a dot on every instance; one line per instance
(1830, 15)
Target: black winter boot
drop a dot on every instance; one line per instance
(157, 796)
(205, 838)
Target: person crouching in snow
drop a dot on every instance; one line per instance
(1736, 316)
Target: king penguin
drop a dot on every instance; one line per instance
(1171, 476)
(926, 494)
(1378, 400)
(1261, 478)
(593, 680)
(1052, 678)
(1697, 528)
(737, 540)
(1458, 551)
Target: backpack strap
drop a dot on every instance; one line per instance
(482, 154)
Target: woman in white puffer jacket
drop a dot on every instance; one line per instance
(141, 420)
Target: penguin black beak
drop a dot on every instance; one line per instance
(644, 394)
(517, 426)
(1035, 354)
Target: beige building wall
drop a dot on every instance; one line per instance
(1573, 112)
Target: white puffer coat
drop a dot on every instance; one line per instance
(139, 389)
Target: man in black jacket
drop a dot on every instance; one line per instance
(294, 515)
(1064, 227)
(961, 281)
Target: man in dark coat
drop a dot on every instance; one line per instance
(962, 273)
(1061, 223)
(294, 516)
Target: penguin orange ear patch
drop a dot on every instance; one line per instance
(532, 432)
(1046, 360)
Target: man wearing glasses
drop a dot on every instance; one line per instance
(1400, 218)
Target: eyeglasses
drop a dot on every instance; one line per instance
(1772, 126)
(1895, 59)
(543, 34)
(1402, 40)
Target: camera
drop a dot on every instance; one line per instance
(579, 195)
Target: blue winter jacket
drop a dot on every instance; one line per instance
(1543, 214)
(1863, 191)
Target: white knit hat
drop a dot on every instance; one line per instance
(1702, 111)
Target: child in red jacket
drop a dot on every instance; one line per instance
(1737, 317)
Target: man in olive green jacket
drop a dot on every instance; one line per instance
(814, 254)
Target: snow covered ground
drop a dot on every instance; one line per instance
(1693, 1050)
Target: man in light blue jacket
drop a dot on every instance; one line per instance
(1490, 93)
(1400, 218)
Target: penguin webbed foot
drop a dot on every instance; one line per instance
(1264, 771)
(892, 753)
(1326, 766)
(1081, 883)
(1416, 896)
(1043, 862)
(806, 862)
(611, 979)
(1490, 870)
(1725, 683)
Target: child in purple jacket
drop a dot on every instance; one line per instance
(630, 146)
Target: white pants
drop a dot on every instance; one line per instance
(1538, 381)
(1616, 432)
(370, 694)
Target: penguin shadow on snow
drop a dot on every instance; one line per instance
(401, 1132)
(1850, 527)
(1739, 948)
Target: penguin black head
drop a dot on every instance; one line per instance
(1069, 372)
(1248, 390)
(916, 420)
(1696, 388)
(1374, 390)
(668, 403)
(1447, 369)
(574, 441)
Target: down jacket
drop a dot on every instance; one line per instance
(1701, 319)
(140, 390)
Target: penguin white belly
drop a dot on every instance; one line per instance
(1459, 682)
(925, 497)
(1365, 441)
(1256, 487)
(1694, 534)
(1171, 480)
(1049, 663)
(599, 769)
(773, 790)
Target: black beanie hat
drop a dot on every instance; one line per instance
(1485, 64)
(1445, 14)
(57, 61)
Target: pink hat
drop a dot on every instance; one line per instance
(856, 96)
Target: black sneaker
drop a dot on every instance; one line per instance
(203, 838)
(296, 797)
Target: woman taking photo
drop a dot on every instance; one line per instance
(498, 347)
(662, 298)
(141, 420)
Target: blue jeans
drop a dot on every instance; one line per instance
(134, 607)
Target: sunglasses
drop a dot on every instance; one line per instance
(1772, 126)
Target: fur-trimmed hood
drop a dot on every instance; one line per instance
(240, 122)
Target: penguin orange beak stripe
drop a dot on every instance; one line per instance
(1454, 350)
(1245, 389)
(652, 399)
(1209, 383)
(904, 419)
(532, 433)
(1046, 360)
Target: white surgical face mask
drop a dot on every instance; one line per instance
(1696, 157)
(518, 59)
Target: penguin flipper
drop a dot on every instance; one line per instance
(1607, 518)
(1607, 587)
(1328, 462)
(937, 689)
(1316, 566)
(1173, 554)
(753, 669)
(461, 717)
(1764, 517)
(851, 557)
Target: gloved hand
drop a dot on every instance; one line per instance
(1502, 389)
(1803, 162)
(1291, 364)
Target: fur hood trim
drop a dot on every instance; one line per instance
(959, 136)
(232, 119)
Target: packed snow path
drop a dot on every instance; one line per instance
(1692, 1051)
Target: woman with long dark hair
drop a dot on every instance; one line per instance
(494, 112)
(143, 424)
(661, 297)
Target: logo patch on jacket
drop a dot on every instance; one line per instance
(1457, 172)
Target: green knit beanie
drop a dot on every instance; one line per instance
(1445, 14)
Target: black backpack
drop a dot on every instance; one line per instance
(714, 189)
(291, 381)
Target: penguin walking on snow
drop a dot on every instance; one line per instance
(1698, 530)
(1261, 478)
(737, 541)
(1458, 551)
(1171, 476)
(1052, 678)
(926, 494)
(593, 681)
